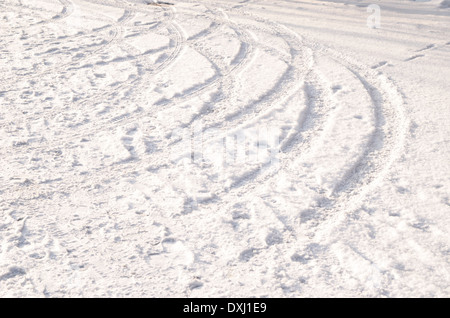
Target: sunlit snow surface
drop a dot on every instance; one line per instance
(224, 148)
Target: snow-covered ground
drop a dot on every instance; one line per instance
(216, 148)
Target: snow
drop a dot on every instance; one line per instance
(218, 148)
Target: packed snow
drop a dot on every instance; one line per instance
(212, 148)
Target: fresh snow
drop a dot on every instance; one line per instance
(216, 148)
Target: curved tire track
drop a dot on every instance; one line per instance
(371, 166)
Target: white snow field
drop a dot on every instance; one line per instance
(216, 148)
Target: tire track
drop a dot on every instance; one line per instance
(391, 127)
(225, 76)
(390, 133)
(310, 124)
(246, 56)
(277, 100)
(123, 120)
(243, 62)
(373, 164)
(365, 172)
